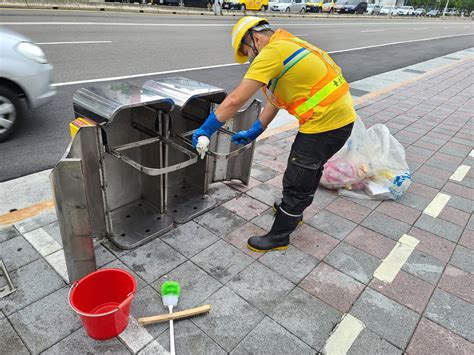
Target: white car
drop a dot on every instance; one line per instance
(420, 12)
(25, 79)
(406, 11)
(289, 6)
(388, 10)
(373, 9)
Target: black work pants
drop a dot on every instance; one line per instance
(308, 155)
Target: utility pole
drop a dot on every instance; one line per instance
(445, 8)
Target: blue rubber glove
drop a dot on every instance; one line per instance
(245, 137)
(208, 128)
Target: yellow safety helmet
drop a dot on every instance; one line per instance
(240, 30)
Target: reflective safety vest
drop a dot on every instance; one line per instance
(326, 91)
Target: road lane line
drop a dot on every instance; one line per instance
(471, 154)
(369, 31)
(235, 64)
(400, 42)
(419, 28)
(145, 74)
(460, 173)
(144, 24)
(392, 264)
(343, 336)
(77, 42)
(436, 206)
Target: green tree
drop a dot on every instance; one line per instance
(462, 4)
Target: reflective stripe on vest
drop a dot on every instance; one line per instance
(321, 95)
(289, 63)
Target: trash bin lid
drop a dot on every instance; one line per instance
(183, 90)
(106, 101)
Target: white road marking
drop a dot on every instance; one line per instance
(460, 173)
(343, 336)
(42, 242)
(419, 28)
(49, 249)
(301, 35)
(154, 348)
(400, 42)
(436, 206)
(392, 264)
(471, 154)
(77, 42)
(369, 31)
(145, 74)
(135, 336)
(234, 64)
(58, 262)
(144, 24)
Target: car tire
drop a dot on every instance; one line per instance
(287, 10)
(303, 10)
(242, 7)
(11, 110)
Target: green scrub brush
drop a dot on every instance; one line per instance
(170, 295)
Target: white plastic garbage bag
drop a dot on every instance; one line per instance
(371, 164)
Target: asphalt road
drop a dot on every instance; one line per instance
(144, 46)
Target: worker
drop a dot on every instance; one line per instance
(302, 79)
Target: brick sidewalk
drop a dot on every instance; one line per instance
(289, 302)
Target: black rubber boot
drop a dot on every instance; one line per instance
(279, 236)
(276, 206)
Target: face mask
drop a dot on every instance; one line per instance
(251, 58)
(253, 54)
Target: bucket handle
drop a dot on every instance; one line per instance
(125, 301)
(119, 307)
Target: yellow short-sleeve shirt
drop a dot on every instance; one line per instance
(297, 82)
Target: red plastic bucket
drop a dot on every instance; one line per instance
(103, 300)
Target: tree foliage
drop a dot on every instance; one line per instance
(440, 4)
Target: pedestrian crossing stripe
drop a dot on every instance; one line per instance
(392, 264)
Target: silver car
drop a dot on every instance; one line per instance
(25, 79)
(289, 6)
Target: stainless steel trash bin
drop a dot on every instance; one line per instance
(133, 173)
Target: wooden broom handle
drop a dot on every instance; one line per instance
(175, 315)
